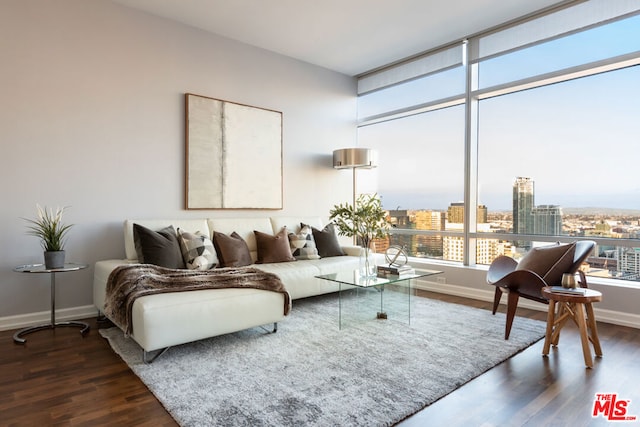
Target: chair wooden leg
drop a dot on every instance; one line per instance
(512, 304)
(496, 299)
(551, 320)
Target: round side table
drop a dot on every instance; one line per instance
(579, 309)
(40, 268)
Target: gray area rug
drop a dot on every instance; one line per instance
(310, 373)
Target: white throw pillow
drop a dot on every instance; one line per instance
(197, 250)
(302, 244)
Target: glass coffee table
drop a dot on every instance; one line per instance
(356, 294)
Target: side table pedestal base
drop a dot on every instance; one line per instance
(17, 337)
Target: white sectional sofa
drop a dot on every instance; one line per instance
(163, 320)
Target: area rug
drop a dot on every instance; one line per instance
(311, 373)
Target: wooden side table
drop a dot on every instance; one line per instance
(578, 308)
(40, 268)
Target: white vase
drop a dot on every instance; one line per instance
(368, 266)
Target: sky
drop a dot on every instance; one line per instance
(578, 140)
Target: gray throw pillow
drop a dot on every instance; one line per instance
(158, 247)
(327, 241)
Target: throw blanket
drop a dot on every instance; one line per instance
(128, 282)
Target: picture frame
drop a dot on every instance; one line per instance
(233, 155)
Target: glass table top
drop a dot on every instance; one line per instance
(40, 268)
(354, 278)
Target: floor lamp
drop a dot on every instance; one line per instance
(354, 158)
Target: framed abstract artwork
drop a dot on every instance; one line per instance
(233, 155)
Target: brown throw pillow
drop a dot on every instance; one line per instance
(327, 241)
(273, 248)
(549, 262)
(232, 250)
(158, 247)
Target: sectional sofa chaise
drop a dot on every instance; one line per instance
(162, 320)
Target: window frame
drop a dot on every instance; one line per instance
(470, 99)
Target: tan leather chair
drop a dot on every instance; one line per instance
(540, 267)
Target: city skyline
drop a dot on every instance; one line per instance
(607, 261)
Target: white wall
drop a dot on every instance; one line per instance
(92, 117)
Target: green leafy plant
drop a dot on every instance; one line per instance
(49, 228)
(366, 220)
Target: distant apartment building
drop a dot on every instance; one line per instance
(629, 263)
(430, 246)
(547, 220)
(455, 213)
(399, 219)
(453, 247)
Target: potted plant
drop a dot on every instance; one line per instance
(365, 221)
(51, 231)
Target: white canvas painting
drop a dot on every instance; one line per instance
(233, 155)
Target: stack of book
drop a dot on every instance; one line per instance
(568, 291)
(390, 270)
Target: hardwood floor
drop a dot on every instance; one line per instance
(60, 378)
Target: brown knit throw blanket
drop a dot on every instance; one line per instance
(128, 282)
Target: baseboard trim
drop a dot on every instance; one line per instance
(32, 319)
(83, 312)
(602, 315)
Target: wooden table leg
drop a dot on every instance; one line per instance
(564, 312)
(561, 319)
(551, 314)
(579, 316)
(593, 329)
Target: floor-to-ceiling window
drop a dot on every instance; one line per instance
(419, 172)
(535, 124)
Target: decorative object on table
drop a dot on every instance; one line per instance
(387, 270)
(365, 220)
(568, 281)
(396, 258)
(51, 231)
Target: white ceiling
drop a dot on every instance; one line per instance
(348, 36)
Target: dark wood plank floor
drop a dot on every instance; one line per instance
(60, 378)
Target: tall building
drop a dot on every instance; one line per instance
(430, 220)
(399, 219)
(523, 203)
(455, 213)
(430, 246)
(629, 263)
(547, 220)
